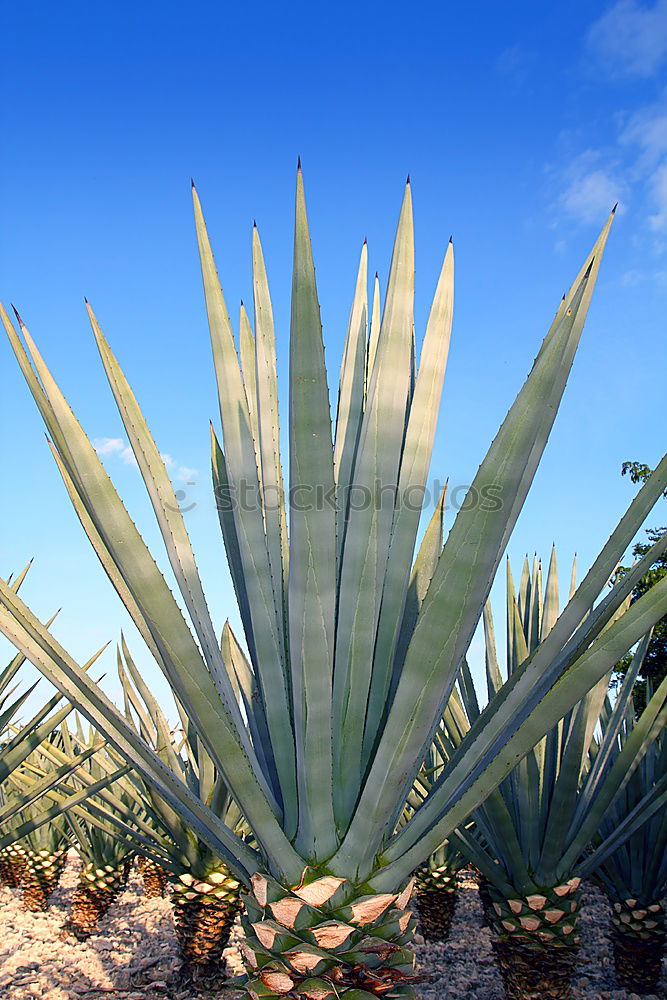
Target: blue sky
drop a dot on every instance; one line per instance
(520, 124)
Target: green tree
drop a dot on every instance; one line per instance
(654, 667)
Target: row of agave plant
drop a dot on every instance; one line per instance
(334, 752)
(550, 833)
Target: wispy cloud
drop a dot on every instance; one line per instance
(115, 446)
(119, 448)
(591, 188)
(631, 38)
(646, 134)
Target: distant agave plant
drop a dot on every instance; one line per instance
(533, 836)
(205, 894)
(20, 816)
(633, 872)
(350, 661)
(106, 855)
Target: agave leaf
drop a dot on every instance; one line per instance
(420, 578)
(224, 501)
(374, 332)
(266, 380)
(172, 526)
(247, 359)
(494, 679)
(312, 575)
(368, 532)
(350, 411)
(415, 461)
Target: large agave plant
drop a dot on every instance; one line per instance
(533, 834)
(352, 649)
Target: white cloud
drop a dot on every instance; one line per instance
(591, 191)
(108, 446)
(127, 456)
(186, 474)
(631, 37)
(119, 448)
(646, 130)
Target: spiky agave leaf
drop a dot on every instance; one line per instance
(335, 687)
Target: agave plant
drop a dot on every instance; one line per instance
(535, 829)
(634, 874)
(106, 856)
(16, 745)
(350, 661)
(154, 877)
(37, 798)
(205, 894)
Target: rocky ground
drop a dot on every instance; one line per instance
(135, 957)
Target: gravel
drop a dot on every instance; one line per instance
(135, 955)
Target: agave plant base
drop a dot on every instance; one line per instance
(536, 973)
(154, 878)
(436, 899)
(204, 913)
(324, 940)
(40, 877)
(12, 866)
(536, 942)
(96, 891)
(436, 912)
(638, 939)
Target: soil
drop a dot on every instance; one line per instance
(135, 956)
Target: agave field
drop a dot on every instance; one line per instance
(334, 806)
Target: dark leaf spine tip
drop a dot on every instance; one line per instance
(613, 211)
(365, 241)
(451, 239)
(192, 183)
(376, 274)
(298, 163)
